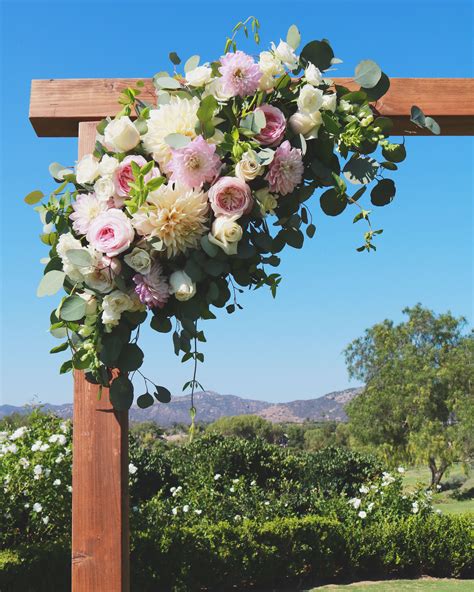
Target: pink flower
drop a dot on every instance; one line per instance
(111, 232)
(194, 164)
(240, 74)
(152, 288)
(230, 197)
(123, 175)
(286, 169)
(275, 126)
(86, 208)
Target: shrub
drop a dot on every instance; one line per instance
(247, 427)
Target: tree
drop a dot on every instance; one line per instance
(419, 387)
(248, 427)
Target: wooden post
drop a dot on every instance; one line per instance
(100, 529)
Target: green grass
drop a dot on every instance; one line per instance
(424, 585)
(456, 479)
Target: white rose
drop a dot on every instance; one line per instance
(267, 82)
(87, 169)
(226, 233)
(270, 64)
(307, 124)
(199, 76)
(248, 167)
(266, 200)
(182, 286)
(107, 165)
(113, 305)
(286, 54)
(329, 102)
(104, 188)
(139, 260)
(216, 89)
(310, 99)
(121, 135)
(313, 75)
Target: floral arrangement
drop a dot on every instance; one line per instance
(178, 210)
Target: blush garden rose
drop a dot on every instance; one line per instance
(186, 202)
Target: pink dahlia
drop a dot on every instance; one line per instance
(275, 126)
(240, 74)
(286, 169)
(86, 208)
(152, 288)
(194, 164)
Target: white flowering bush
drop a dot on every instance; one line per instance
(35, 481)
(177, 211)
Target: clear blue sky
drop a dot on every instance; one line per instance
(274, 349)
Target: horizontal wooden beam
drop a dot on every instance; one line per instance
(57, 106)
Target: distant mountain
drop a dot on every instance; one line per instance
(210, 406)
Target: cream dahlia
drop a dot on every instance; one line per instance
(177, 117)
(176, 215)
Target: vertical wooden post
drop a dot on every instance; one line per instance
(100, 529)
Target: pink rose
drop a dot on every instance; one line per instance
(275, 126)
(111, 232)
(123, 175)
(230, 197)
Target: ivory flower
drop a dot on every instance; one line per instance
(86, 208)
(121, 135)
(199, 76)
(248, 167)
(313, 75)
(182, 286)
(286, 54)
(87, 169)
(226, 234)
(310, 99)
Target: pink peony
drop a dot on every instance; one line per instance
(194, 164)
(152, 288)
(275, 126)
(286, 169)
(111, 232)
(240, 74)
(230, 197)
(123, 175)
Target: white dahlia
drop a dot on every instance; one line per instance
(177, 117)
(176, 215)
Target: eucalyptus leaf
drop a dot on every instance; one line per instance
(383, 193)
(79, 257)
(34, 197)
(174, 57)
(144, 401)
(318, 53)
(58, 171)
(417, 116)
(177, 140)
(167, 83)
(332, 202)
(432, 125)
(394, 153)
(379, 90)
(367, 73)
(191, 63)
(130, 358)
(360, 169)
(121, 393)
(73, 308)
(51, 283)
(293, 37)
(162, 394)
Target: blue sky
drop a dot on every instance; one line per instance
(274, 349)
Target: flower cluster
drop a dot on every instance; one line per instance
(170, 214)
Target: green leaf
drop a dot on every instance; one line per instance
(130, 358)
(254, 121)
(145, 401)
(215, 267)
(58, 171)
(162, 394)
(73, 308)
(294, 238)
(121, 393)
(59, 348)
(50, 283)
(359, 193)
(318, 53)
(79, 257)
(330, 123)
(209, 248)
(394, 153)
(383, 193)
(177, 140)
(367, 73)
(360, 169)
(191, 63)
(207, 108)
(389, 165)
(432, 125)
(174, 57)
(34, 197)
(161, 324)
(417, 116)
(293, 37)
(333, 203)
(310, 230)
(166, 82)
(65, 367)
(379, 90)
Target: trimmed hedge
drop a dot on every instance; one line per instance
(285, 552)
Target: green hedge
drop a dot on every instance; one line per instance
(275, 554)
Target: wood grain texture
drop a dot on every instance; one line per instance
(57, 106)
(100, 528)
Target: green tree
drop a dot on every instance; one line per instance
(419, 386)
(248, 427)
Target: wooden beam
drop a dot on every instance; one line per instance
(100, 529)
(57, 106)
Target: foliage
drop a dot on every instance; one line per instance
(248, 427)
(171, 212)
(419, 379)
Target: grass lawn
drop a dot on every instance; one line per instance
(424, 585)
(455, 480)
